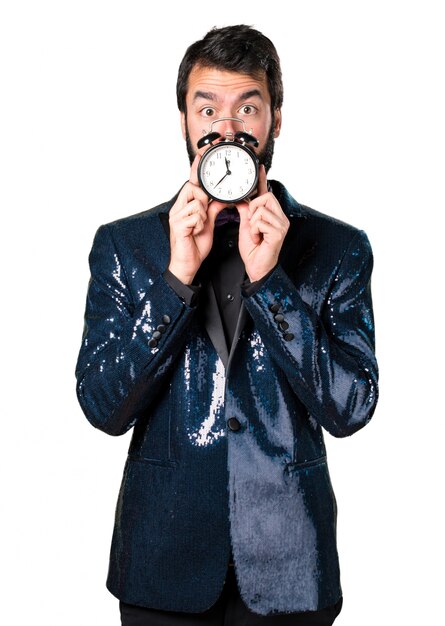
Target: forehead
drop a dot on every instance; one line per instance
(224, 83)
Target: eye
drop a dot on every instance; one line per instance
(247, 109)
(207, 112)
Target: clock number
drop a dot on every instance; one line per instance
(219, 155)
(211, 163)
(229, 193)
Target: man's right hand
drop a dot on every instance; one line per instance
(192, 221)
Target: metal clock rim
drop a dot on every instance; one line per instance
(233, 119)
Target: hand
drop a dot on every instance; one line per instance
(263, 227)
(192, 222)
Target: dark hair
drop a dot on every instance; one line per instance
(233, 48)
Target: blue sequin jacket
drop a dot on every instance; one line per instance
(228, 451)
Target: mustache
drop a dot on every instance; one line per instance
(265, 155)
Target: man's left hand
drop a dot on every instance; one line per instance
(263, 227)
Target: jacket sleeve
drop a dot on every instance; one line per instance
(328, 359)
(127, 347)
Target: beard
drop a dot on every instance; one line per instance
(265, 155)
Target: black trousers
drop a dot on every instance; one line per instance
(228, 610)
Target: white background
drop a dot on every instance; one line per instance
(88, 116)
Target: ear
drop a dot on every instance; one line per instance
(183, 125)
(278, 120)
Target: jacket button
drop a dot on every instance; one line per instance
(279, 317)
(233, 423)
(284, 325)
(288, 336)
(157, 334)
(166, 319)
(161, 328)
(153, 343)
(275, 307)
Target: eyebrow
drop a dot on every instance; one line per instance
(208, 95)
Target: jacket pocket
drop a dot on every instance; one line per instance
(295, 467)
(160, 462)
(314, 479)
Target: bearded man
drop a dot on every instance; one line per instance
(228, 336)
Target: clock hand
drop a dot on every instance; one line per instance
(228, 166)
(226, 174)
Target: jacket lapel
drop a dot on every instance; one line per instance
(213, 323)
(242, 319)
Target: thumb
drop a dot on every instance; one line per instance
(244, 213)
(262, 181)
(214, 208)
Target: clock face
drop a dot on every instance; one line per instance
(228, 172)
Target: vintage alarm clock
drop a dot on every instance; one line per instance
(228, 170)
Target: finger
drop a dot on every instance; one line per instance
(264, 214)
(243, 210)
(214, 208)
(188, 194)
(194, 170)
(261, 228)
(262, 181)
(190, 189)
(244, 227)
(192, 208)
(267, 200)
(255, 233)
(193, 224)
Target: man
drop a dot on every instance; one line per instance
(227, 338)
